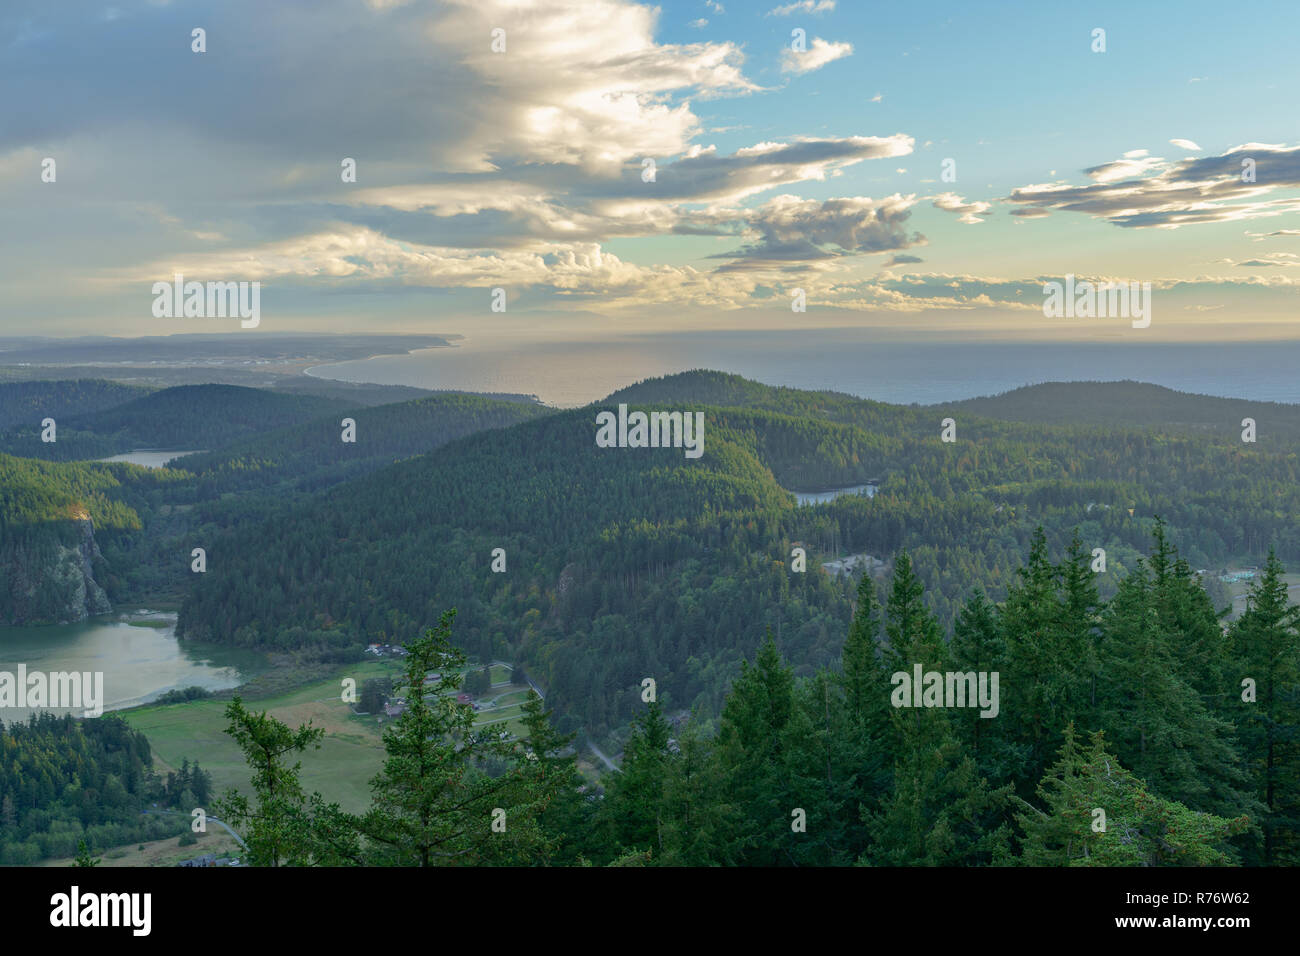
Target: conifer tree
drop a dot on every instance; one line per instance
(1096, 813)
(1157, 723)
(1265, 644)
(632, 814)
(432, 804)
(752, 742)
(278, 826)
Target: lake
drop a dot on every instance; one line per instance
(821, 497)
(139, 657)
(149, 458)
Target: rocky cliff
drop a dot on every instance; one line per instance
(49, 575)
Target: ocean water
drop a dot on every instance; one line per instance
(573, 373)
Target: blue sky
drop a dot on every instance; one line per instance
(522, 168)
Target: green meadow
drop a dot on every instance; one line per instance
(350, 754)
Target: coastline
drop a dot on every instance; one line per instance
(369, 358)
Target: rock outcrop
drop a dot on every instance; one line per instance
(49, 575)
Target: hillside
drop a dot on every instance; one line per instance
(159, 517)
(1134, 405)
(628, 561)
(313, 455)
(26, 403)
(51, 566)
(188, 416)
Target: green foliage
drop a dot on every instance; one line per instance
(1140, 828)
(84, 857)
(279, 823)
(64, 780)
(187, 416)
(432, 804)
(1265, 649)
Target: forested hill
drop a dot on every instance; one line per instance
(26, 403)
(1134, 405)
(623, 560)
(724, 390)
(119, 533)
(51, 568)
(188, 416)
(313, 455)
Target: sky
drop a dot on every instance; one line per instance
(611, 165)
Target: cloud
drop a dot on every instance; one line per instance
(900, 260)
(802, 6)
(1276, 234)
(1186, 144)
(968, 212)
(1270, 259)
(793, 229)
(818, 54)
(699, 24)
(1187, 192)
(1134, 163)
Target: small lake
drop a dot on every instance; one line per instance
(139, 657)
(821, 497)
(149, 458)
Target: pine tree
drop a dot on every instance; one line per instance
(1265, 644)
(1157, 723)
(278, 827)
(941, 811)
(432, 805)
(696, 808)
(551, 770)
(632, 813)
(1096, 813)
(978, 646)
(752, 743)
(84, 857)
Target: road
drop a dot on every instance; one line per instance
(596, 750)
(533, 684)
(210, 819)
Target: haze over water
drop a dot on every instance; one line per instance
(572, 373)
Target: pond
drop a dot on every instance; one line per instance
(138, 654)
(150, 458)
(821, 497)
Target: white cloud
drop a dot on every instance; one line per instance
(1276, 234)
(1186, 144)
(1191, 191)
(968, 212)
(818, 54)
(802, 6)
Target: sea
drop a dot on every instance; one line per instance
(570, 373)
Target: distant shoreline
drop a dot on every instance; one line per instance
(370, 358)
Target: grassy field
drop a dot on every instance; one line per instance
(351, 752)
(1240, 589)
(166, 852)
